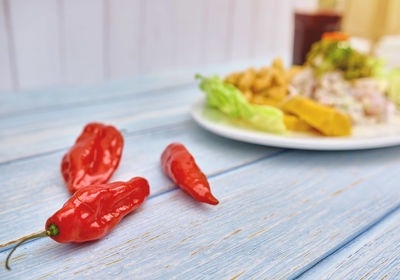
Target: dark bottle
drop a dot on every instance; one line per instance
(309, 27)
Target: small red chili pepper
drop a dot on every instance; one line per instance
(181, 167)
(93, 211)
(93, 158)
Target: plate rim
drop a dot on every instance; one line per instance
(280, 141)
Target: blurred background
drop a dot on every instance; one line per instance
(72, 42)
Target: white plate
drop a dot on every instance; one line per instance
(363, 137)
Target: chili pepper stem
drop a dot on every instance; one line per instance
(42, 234)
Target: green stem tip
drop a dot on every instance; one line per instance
(52, 230)
(42, 234)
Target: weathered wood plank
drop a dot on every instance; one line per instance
(50, 130)
(276, 217)
(373, 255)
(35, 185)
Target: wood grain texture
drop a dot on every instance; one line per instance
(277, 215)
(55, 129)
(140, 158)
(35, 28)
(283, 213)
(372, 255)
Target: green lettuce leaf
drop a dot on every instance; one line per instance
(229, 100)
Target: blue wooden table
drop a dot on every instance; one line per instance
(283, 214)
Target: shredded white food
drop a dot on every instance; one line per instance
(363, 99)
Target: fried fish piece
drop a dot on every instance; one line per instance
(323, 118)
(296, 124)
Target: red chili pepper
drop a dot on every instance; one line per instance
(93, 211)
(181, 167)
(93, 158)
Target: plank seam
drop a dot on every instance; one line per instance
(343, 244)
(126, 134)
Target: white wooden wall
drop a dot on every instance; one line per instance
(52, 42)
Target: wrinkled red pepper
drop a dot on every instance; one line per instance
(93, 211)
(93, 158)
(181, 167)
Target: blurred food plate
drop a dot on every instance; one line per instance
(363, 136)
